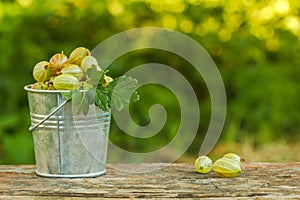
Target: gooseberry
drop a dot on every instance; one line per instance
(66, 82)
(74, 70)
(41, 71)
(87, 62)
(233, 156)
(203, 164)
(227, 168)
(57, 61)
(78, 54)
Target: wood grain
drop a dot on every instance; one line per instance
(257, 181)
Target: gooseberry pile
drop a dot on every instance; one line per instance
(226, 167)
(63, 73)
(80, 78)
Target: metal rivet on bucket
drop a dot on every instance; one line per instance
(66, 144)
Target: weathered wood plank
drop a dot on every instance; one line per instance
(258, 181)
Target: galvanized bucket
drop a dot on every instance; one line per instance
(66, 144)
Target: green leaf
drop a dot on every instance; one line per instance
(123, 91)
(80, 101)
(102, 80)
(94, 75)
(77, 97)
(102, 100)
(85, 104)
(118, 93)
(67, 95)
(91, 95)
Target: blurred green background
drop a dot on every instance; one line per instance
(254, 43)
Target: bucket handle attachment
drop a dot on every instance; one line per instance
(48, 116)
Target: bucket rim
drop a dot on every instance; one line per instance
(29, 88)
(90, 175)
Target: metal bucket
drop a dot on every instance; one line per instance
(66, 144)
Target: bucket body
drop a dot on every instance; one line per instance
(67, 144)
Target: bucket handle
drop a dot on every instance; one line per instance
(31, 128)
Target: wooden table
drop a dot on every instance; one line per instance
(258, 181)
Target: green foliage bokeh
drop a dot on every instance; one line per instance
(254, 43)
